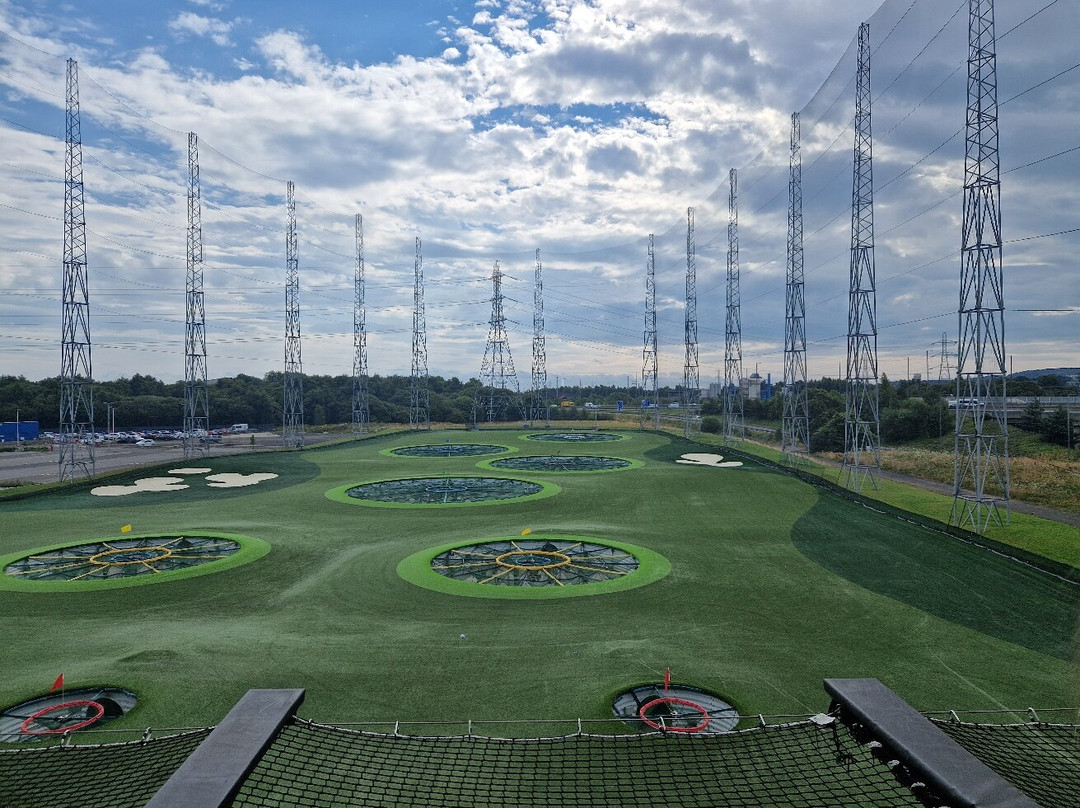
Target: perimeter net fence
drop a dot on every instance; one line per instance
(802, 763)
(809, 762)
(112, 775)
(1040, 757)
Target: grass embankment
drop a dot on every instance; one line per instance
(1045, 537)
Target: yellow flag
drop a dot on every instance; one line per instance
(125, 529)
(526, 531)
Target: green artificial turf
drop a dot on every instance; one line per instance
(774, 585)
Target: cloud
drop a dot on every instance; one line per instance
(187, 23)
(575, 127)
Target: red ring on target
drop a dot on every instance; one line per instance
(673, 700)
(61, 730)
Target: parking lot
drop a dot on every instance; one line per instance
(35, 466)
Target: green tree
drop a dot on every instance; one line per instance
(1031, 418)
(1056, 426)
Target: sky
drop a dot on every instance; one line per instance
(492, 129)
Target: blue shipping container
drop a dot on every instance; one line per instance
(27, 430)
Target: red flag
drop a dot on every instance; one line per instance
(59, 683)
(667, 679)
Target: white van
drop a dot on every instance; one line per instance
(238, 428)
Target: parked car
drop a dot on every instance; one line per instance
(144, 442)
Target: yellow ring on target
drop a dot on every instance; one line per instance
(165, 552)
(563, 560)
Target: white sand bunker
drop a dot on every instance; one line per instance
(708, 459)
(152, 484)
(237, 480)
(190, 471)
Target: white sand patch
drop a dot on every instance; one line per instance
(237, 480)
(152, 484)
(708, 459)
(190, 471)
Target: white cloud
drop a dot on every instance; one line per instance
(187, 23)
(577, 128)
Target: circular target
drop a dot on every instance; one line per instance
(63, 712)
(441, 491)
(675, 708)
(574, 437)
(535, 562)
(67, 716)
(560, 463)
(447, 450)
(537, 565)
(127, 560)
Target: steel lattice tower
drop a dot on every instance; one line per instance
(981, 462)
(945, 372)
(361, 413)
(292, 431)
(795, 435)
(76, 458)
(497, 374)
(539, 411)
(649, 370)
(862, 425)
(734, 430)
(419, 396)
(196, 392)
(691, 385)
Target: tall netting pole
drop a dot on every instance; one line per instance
(361, 412)
(795, 434)
(499, 388)
(196, 391)
(419, 396)
(76, 455)
(981, 460)
(539, 411)
(862, 424)
(691, 385)
(292, 431)
(649, 368)
(734, 430)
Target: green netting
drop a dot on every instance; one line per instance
(445, 490)
(574, 437)
(123, 775)
(560, 463)
(785, 765)
(1042, 760)
(121, 558)
(541, 562)
(448, 450)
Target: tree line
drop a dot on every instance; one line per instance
(142, 401)
(909, 410)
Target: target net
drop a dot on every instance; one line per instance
(560, 463)
(121, 558)
(574, 437)
(538, 562)
(444, 490)
(448, 450)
